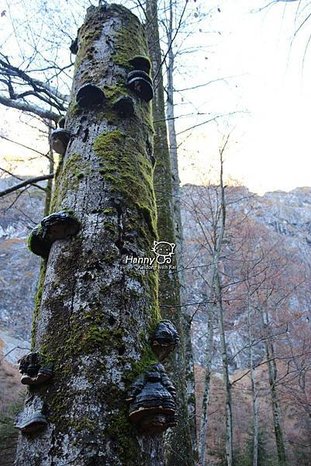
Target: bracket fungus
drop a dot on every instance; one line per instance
(32, 418)
(140, 83)
(124, 106)
(37, 244)
(57, 226)
(152, 401)
(89, 96)
(164, 339)
(74, 46)
(60, 225)
(60, 139)
(33, 369)
(141, 63)
(61, 122)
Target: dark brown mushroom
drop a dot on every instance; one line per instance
(59, 140)
(89, 96)
(124, 106)
(164, 339)
(61, 122)
(32, 418)
(34, 370)
(140, 83)
(74, 46)
(59, 225)
(141, 63)
(37, 244)
(152, 401)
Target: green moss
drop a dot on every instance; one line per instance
(114, 92)
(130, 42)
(73, 110)
(74, 169)
(124, 166)
(121, 429)
(38, 297)
(88, 34)
(35, 232)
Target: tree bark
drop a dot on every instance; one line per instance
(255, 420)
(225, 363)
(207, 386)
(180, 444)
(272, 370)
(97, 311)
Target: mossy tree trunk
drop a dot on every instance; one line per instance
(95, 312)
(180, 444)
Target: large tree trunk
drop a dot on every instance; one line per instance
(97, 311)
(180, 444)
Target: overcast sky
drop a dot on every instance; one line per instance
(266, 88)
(270, 144)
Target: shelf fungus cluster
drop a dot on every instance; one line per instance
(90, 95)
(152, 401)
(139, 80)
(164, 339)
(32, 419)
(34, 372)
(152, 396)
(57, 226)
(59, 140)
(33, 369)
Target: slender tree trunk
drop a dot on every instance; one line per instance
(180, 444)
(49, 184)
(170, 114)
(177, 221)
(96, 311)
(226, 378)
(227, 384)
(255, 419)
(207, 385)
(272, 370)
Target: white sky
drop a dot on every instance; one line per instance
(266, 79)
(270, 146)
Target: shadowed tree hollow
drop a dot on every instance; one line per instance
(96, 309)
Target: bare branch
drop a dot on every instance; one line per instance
(29, 108)
(25, 183)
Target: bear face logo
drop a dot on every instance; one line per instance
(163, 251)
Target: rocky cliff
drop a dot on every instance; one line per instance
(286, 215)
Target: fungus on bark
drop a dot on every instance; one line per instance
(124, 106)
(164, 339)
(90, 95)
(60, 225)
(74, 46)
(34, 370)
(152, 401)
(32, 419)
(140, 83)
(141, 63)
(37, 244)
(61, 122)
(60, 139)
(57, 226)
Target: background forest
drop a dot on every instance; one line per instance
(245, 259)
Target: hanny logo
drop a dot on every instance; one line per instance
(163, 251)
(163, 256)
